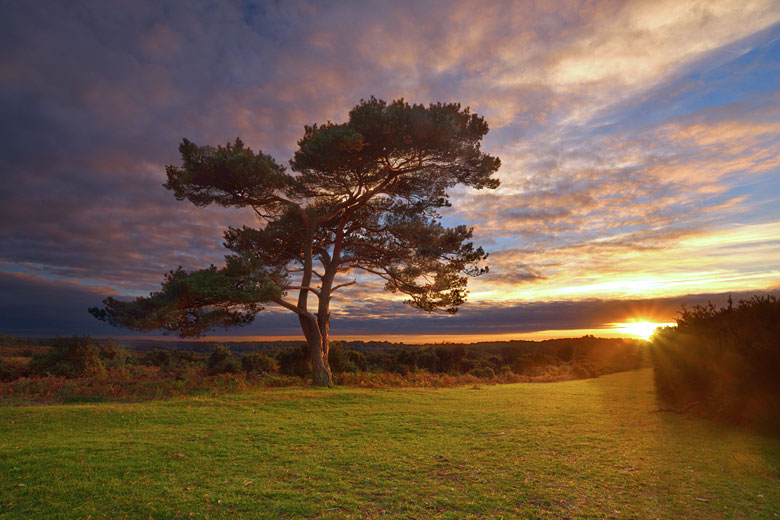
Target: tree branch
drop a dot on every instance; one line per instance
(339, 286)
(304, 288)
(289, 306)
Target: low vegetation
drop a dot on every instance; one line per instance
(592, 448)
(80, 368)
(723, 362)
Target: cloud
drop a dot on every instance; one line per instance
(623, 213)
(61, 309)
(627, 132)
(31, 305)
(638, 266)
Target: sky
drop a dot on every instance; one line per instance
(639, 140)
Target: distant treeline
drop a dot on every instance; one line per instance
(723, 362)
(572, 358)
(13, 341)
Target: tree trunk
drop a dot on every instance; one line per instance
(318, 351)
(320, 368)
(310, 324)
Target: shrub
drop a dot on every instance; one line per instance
(483, 372)
(258, 363)
(115, 357)
(13, 368)
(295, 361)
(723, 363)
(171, 361)
(519, 365)
(450, 358)
(221, 361)
(77, 356)
(379, 361)
(157, 358)
(583, 371)
(405, 360)
(426, 359)
(342, 359)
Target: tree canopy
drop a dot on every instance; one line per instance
(363, 195)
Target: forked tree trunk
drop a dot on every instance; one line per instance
(316, 327)
(318, 352)
(320, 368)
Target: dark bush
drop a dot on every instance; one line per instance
(509, 355)
(566, 353)
(295, 361)
(78, 356)
(10, 371)
(221, 361)
(405, 360)
(173, 361)
(115, 357)
(157, 358)
(343, 360)
(583, 371)
(723, 363)
(519, 365)
(483, 372)
(440, 359)
(258, 363)
(380, 361)
(450, 358)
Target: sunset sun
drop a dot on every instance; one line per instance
(640, 329)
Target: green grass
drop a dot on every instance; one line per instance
(578, 449)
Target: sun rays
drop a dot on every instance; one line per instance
(639, 329)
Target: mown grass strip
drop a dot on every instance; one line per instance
(582, 449)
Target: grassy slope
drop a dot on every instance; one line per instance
(582, 449)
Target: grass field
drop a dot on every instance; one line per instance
(579, 449)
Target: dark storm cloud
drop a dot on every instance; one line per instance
(31, 306)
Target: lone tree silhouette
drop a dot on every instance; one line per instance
(365, 197)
